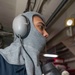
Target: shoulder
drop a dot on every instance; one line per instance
(1, 58)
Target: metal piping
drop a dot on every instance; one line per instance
(43, 2)
(27, 7)
(56, 11)
(30, 5)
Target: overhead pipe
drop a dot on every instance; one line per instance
(38, 5)
(27, 7)
(56, 11)
(41, 5)
(30, 5)
(69, 60)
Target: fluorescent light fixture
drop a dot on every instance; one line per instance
(50, 55)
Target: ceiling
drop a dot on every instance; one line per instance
(11, 8)
(55, 13)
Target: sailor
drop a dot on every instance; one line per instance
(22, 56)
